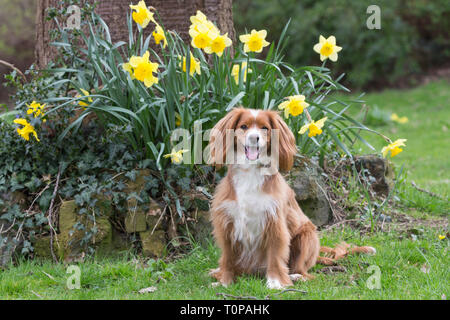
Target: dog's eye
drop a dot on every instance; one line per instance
(265, 128)
(244, 127)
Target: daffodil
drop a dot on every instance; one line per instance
(142, 15)
(194, 65)
(201, 36)
(81, 102)
(442, 237)
(177, 119)
(396, 118)
(235, 72)
(128, 68)
(159, 36)
(199, 18)
(327, 48)
(143, 69)
(294, 105)
(26, 130)
(394, 148)
(218, 44)
(175, 156)
(255, 41)
(314, 127)
(36, 109)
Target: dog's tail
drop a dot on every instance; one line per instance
(331, 255)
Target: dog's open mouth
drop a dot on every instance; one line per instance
(252, 152)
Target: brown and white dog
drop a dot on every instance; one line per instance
(257, 222)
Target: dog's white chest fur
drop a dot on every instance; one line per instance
(251, 209)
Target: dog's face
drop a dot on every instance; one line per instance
(254, 136)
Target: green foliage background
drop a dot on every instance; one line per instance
(413, 37)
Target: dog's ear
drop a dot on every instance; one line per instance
(219, 141)
(286, 142)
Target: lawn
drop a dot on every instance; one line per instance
(411, 258)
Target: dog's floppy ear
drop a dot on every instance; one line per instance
(219, 143)
(287, 148)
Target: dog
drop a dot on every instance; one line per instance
(257, 223)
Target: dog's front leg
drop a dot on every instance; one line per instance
(277, 257)
(226, 271)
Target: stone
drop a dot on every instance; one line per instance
(200, 227)
(379, 172)
(310, 191)
(153, 216)
(42, 247)
(153, 244)
(69, 240)
(135, 221)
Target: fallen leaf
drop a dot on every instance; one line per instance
(148, 290)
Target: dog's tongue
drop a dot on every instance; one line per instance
(252, 153)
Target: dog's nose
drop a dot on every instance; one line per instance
(253, 138)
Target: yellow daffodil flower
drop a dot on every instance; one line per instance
(255, 41)
(177, 119)
(26, 130)
(36, 109)
(81, 102)
(128, 68)
(143, 69)
(159, 36)
(314, 127)
(294, 105)
(394, 148)
(401, 120)
(194, 65)
(218, 44)
(201, 36)
(442, 237)
(235, 72)
(142, 15)
(199, 18)
(327, 48)
(176, 156)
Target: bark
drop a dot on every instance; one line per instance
(174, 14)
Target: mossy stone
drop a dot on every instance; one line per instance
(153, 244)
(135, 220)
(69, 239)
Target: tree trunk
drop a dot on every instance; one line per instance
(174, 14)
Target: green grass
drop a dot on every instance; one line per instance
(402, 263)
(412, 266)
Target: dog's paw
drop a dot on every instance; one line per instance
(214, 272)
(371, 250)
(296, 277)
(274, 284)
